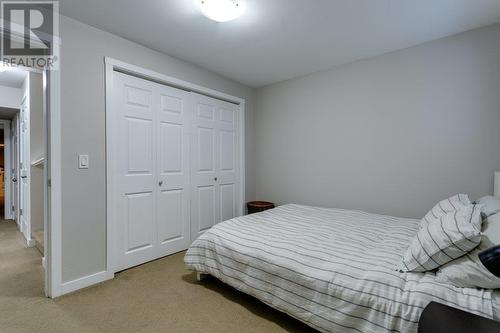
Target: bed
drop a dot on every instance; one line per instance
(333, 269)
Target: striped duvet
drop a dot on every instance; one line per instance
(330, 268)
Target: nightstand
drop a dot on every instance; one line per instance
(440, 318)
(258, 206)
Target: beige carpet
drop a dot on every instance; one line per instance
(160, 296)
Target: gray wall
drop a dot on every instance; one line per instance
(10, 97)
(83, 131)
(392, 134)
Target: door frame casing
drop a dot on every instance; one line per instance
(112, 65)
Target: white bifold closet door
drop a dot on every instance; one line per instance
(152, 170)
(215, 168)
(175, 168)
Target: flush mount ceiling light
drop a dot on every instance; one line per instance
(221, 10)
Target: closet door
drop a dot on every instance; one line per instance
(214, 175)
(135, 182)
(151, 170)
(172, 217)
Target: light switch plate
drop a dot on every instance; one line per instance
(83, 161)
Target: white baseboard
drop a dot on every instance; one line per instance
(30, 242)
(86, 281)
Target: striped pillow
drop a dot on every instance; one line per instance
(468, 271)
(456, 233)
(445, 206)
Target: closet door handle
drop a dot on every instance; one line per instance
(215, 178)
(160, 183)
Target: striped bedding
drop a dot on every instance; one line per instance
(330, 268)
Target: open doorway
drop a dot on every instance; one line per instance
(22, 174)
(5, 167)
(2, 174)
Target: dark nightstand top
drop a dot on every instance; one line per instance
(440, 318)
(259, 206)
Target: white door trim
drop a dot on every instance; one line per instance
(53, 183)
(5, 124)
(112, 65)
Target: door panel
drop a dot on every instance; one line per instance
(205, 111)
(204, 213)
(171, 149)
(206, 149)
(172, 104)
(227, 201)
(170, 208)
(140, 228)
(215, 169)
(173, 170)
(139, 146)
(151, 170)
(227, 150)
(135, 95)
(135, 170)
(206, 207)
(227, 116)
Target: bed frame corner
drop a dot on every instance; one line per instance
(201, 276)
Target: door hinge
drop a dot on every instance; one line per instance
(21, 211)
(49, 182)
(13, 208)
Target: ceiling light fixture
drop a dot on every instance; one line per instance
(221, 10)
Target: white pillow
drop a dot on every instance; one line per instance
(468, 271)
(455, 234)
(445, 206)
(491, 205)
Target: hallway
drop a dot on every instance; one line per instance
(21, 267)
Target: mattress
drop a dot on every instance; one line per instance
(333, 269)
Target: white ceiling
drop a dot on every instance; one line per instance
(276, 40)
(12, 77)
